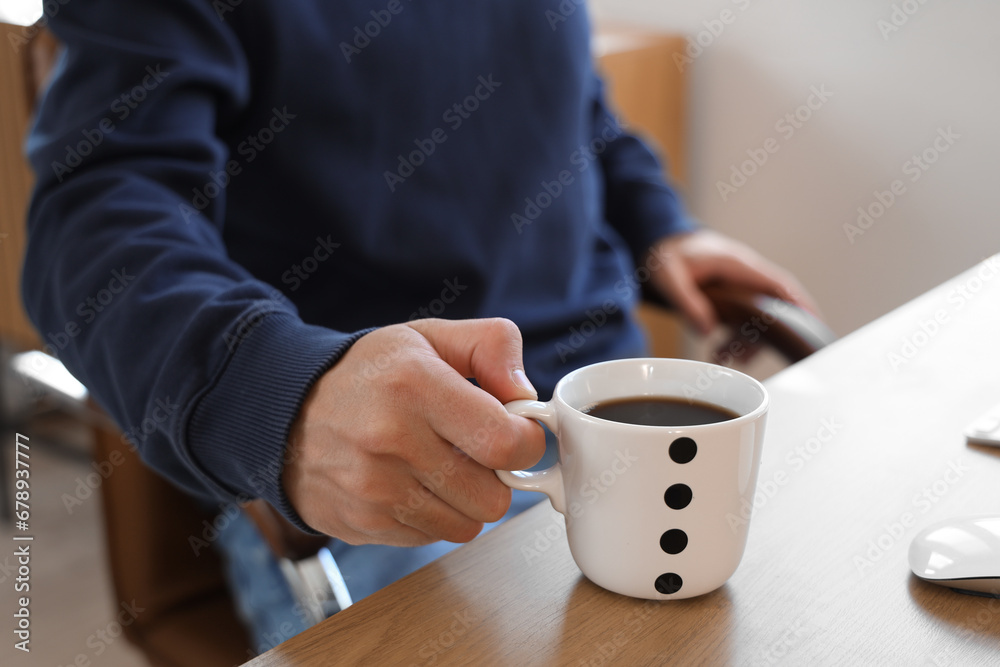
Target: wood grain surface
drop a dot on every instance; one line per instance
(15, 183)
(864, 447)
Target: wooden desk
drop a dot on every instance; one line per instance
(862, 450)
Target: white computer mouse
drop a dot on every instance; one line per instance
(961, 553)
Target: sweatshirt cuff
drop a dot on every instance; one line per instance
(656, 213)
(238, 432)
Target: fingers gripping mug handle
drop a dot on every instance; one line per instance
(548, 481)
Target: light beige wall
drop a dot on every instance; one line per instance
(893, 90)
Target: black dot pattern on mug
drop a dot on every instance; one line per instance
(683, 450)
(673, 541)
(668, 583)
(678, 496)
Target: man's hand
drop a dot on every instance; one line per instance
(395, 446)
(690, 261)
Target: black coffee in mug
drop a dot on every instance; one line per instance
(659, 411)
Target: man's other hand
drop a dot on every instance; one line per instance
(688, 262)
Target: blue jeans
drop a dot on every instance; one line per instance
(264, 600)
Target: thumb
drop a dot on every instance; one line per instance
(680, 287)
(488, 350)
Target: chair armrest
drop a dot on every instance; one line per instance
(792, 331)
(753, 317)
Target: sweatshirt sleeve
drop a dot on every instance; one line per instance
(639, 203)
(203, 366)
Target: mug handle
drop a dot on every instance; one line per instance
(550, 480)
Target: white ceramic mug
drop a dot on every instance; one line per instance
(654, 512)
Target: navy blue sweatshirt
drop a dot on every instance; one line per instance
(231, 192)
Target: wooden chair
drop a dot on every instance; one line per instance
(188, 617)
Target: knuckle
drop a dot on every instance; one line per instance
(408, 374)
(498, 503)
(465, 533)
(399, 382)
(378, 439)
(504, 328)
(486, 498)
(369, 488)
(443, 525)
(502, 445)
(493, 440)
